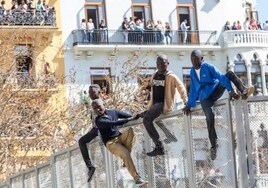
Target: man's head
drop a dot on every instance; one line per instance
(94, 91)
(162, 63)
(98, 107)
(196, 58)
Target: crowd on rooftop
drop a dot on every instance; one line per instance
(248, 24)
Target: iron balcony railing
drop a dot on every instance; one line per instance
(146, 37)
(23, 80)
(29, 18)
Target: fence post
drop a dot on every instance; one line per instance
(241, 145)
(248, 144)
(189, 151)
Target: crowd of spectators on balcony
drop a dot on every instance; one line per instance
(133, 30)
(26, 12)
(249, 24)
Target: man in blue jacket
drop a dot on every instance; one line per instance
(119, 144)
(208, 85)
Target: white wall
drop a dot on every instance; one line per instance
(117, 10)
(210, 16)
(165, 11)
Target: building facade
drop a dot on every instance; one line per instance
(89, 52)
(31, 90)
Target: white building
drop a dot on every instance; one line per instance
(245, 52)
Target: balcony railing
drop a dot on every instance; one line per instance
(256, 38)
(25, 81)
(29, 18)
(82, 37)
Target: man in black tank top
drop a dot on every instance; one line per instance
(163, 84)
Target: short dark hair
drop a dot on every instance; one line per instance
(196, 53)
(163, 57)
(94, 86)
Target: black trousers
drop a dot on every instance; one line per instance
(93, 133)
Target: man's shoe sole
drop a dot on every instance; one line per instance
(154, 155)
(250, 92)
(141, 184)
(90, 174)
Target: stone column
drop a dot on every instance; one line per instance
(249, 73)
(263, 79)
(231, 66)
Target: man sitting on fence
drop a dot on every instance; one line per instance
(119, 144)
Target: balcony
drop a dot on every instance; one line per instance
(107, 39)
(29, 18)
(24, 82)
(253, 38)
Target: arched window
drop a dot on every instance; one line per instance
(240, 68)
(256, 71)
(266, 71)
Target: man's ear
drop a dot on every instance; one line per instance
(202, 58)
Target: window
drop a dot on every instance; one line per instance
(24, 64)
(256, 72)
(186, 78)
(101, 77)
(240, 68)
(144, 76)
(95, 10)
(185, 2)
(187, 12)
(141, 10)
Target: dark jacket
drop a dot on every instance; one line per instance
(108, 123)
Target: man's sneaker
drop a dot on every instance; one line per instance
(140, 182)
(91, 171)
(156, 151)
(213, 152)
(247, 92)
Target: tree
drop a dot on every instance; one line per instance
(35, 117)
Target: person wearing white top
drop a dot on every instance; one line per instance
(184, 29)
(84, 30)
(90, 28)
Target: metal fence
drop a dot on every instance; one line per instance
(146, 37)
(242, 159)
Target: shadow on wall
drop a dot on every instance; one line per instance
(170, 19)
(79, 18)
(209, 5)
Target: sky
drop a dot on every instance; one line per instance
(262, 7)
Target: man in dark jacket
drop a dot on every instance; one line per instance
(208, 85)
(119, 144)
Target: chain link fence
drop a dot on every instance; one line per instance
(242, 159)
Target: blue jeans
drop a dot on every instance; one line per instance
(93, 133)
